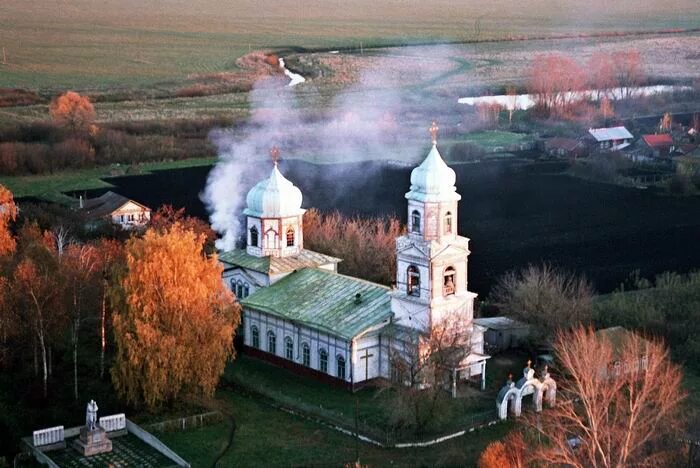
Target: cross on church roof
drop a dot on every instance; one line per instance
(433, 132)
(275, 154)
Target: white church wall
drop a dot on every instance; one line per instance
(299, 335)
(370, 358)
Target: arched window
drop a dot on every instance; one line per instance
(290, 236)
(271, 239)
(233, 286)
(448, 223)
(448, 287)
(323, 360)
(415, 221)
(254, 236)
(289, 348)
(239, 289)
(255, 337)
(413, 281)
(306, 354)
(340, 367)
(246, 290)
(271, 342)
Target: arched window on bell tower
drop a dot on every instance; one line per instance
(290, 236)
(415, 221)
(448, 285)
(413, 281)
(253, 236)
(447, 229)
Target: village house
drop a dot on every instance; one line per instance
(611, 138)
(115, 208)
(298, 312)
(657, 146)
(564, 147)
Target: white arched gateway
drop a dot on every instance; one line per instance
(510, 397)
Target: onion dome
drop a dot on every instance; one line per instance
(433, 180)
(274, 197)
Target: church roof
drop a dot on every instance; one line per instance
(276, 265)
(274, 197)
(433, 180)
(325, 301)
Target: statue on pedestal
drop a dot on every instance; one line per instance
(93, 439)
(91, 415)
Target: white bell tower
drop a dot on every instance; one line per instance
(274, 216)
(431, 260)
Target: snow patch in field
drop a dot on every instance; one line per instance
(526, 101)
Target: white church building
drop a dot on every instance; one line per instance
(300, 313)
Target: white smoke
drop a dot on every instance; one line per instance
(377, 118)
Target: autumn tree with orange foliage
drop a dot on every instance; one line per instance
(73, 111)
(509, 453)
(366, 245)
(619, 398)
(8, 213)
(554, 82)
(175, 319)
(167, 215)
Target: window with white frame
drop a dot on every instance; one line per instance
(323, 360)
(306, 354)
(254, 337)
(289, 348)
(271, 342)
(340, 367)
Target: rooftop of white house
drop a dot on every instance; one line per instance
(337, 304)
(276, 265)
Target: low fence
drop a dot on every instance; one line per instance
(364, 431)
(187, 422)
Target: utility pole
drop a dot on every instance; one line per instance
(4, 57)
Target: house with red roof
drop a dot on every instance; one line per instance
(659, 146)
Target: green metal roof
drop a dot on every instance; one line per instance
(325, 301)
(276, 265)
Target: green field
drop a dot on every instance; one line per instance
(130, 44)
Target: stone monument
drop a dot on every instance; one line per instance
(93, 439)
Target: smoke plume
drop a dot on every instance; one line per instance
(378, 118)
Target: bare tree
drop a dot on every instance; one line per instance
(512, 102)
(544, 297)
(423, 366)
(619, 404)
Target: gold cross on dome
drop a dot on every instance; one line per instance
(433, 132)
(275, 154)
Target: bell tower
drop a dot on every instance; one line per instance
(274, 215)
(431, 260)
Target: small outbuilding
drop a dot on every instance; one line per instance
(566, 147)
(503, 333)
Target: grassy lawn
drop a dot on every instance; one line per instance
(51, 187)
(493, 139)
(375, 406)
(268, 437)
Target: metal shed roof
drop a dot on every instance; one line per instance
(611, 133)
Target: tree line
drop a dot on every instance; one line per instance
(147, 319)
